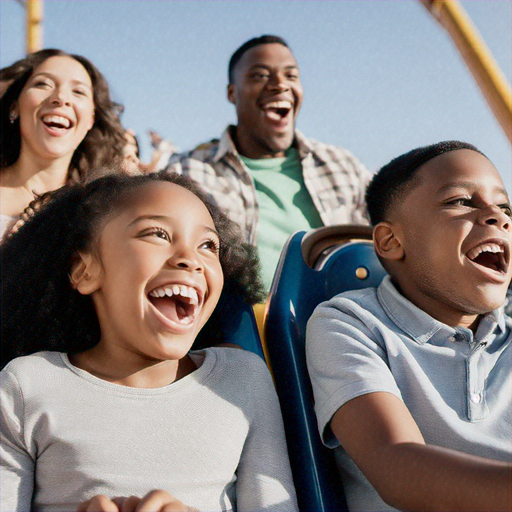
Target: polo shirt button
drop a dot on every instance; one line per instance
(476, 398)
(453, 339)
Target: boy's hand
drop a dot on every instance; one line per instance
(153, 501)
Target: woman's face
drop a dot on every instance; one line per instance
(55, 109)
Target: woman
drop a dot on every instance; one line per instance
(57, 122)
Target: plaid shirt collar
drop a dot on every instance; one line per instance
(227, 146)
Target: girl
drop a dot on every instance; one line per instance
(111, 410)
(57, 123)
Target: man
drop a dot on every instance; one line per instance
(268, 177)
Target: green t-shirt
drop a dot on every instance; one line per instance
(285, 206)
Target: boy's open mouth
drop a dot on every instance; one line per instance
(492, 255)
(177, 302)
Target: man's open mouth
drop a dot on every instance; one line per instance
(277, 110)
(493, 255)
(177, 302)
(55, 121)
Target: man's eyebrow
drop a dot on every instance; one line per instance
(267, 67)
(165, 220)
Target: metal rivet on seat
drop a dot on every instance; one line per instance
(361, 273)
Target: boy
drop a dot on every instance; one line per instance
(413, 379)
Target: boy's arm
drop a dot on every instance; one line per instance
(382, 438)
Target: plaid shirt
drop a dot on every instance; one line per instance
(335, 179)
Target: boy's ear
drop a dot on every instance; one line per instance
(387, 241)
(85, 275)
(231, 93)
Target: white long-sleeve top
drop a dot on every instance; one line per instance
(214, 439)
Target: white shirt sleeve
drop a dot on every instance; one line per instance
(17, 464)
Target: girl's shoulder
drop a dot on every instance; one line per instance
(35, 367)
(239, 366)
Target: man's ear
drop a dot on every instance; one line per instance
(86, 272)
(386, 240)
(231, 93)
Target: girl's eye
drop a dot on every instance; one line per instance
(157, 232)
(80, 92)
(211, 245)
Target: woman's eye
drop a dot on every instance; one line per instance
(80, 92)
(41, 83)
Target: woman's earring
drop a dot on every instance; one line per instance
(13, 116)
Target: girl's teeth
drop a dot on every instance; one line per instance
(184, 291)
(194, 299)
(167, 292)
(176, 289)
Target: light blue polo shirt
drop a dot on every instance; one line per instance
(457, 386)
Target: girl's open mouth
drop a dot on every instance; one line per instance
(176, 302)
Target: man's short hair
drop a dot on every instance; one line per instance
(392, 182)
(255, 41)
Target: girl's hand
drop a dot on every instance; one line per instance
(154, 501)
(99, 503)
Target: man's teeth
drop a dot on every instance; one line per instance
(278, 104)
(176, 289)
(59, 120)
(494, 248)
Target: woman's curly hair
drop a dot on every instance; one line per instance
(40, 308)
(102, 145)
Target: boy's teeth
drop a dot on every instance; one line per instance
(494, 248)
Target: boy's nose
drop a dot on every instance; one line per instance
(494, 215)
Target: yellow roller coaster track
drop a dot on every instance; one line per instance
(478, 58)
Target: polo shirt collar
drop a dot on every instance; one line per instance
(420, 326)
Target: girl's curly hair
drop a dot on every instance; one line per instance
(102, 145)
(41, 310)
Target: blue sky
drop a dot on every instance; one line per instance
(380, 76)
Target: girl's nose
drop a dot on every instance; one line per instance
(185, 258)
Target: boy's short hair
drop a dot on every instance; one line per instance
(255, 41)
(393, 181)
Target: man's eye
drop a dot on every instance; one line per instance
(259, 76)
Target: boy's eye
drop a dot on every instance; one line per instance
(461, 201)
(507, 209)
